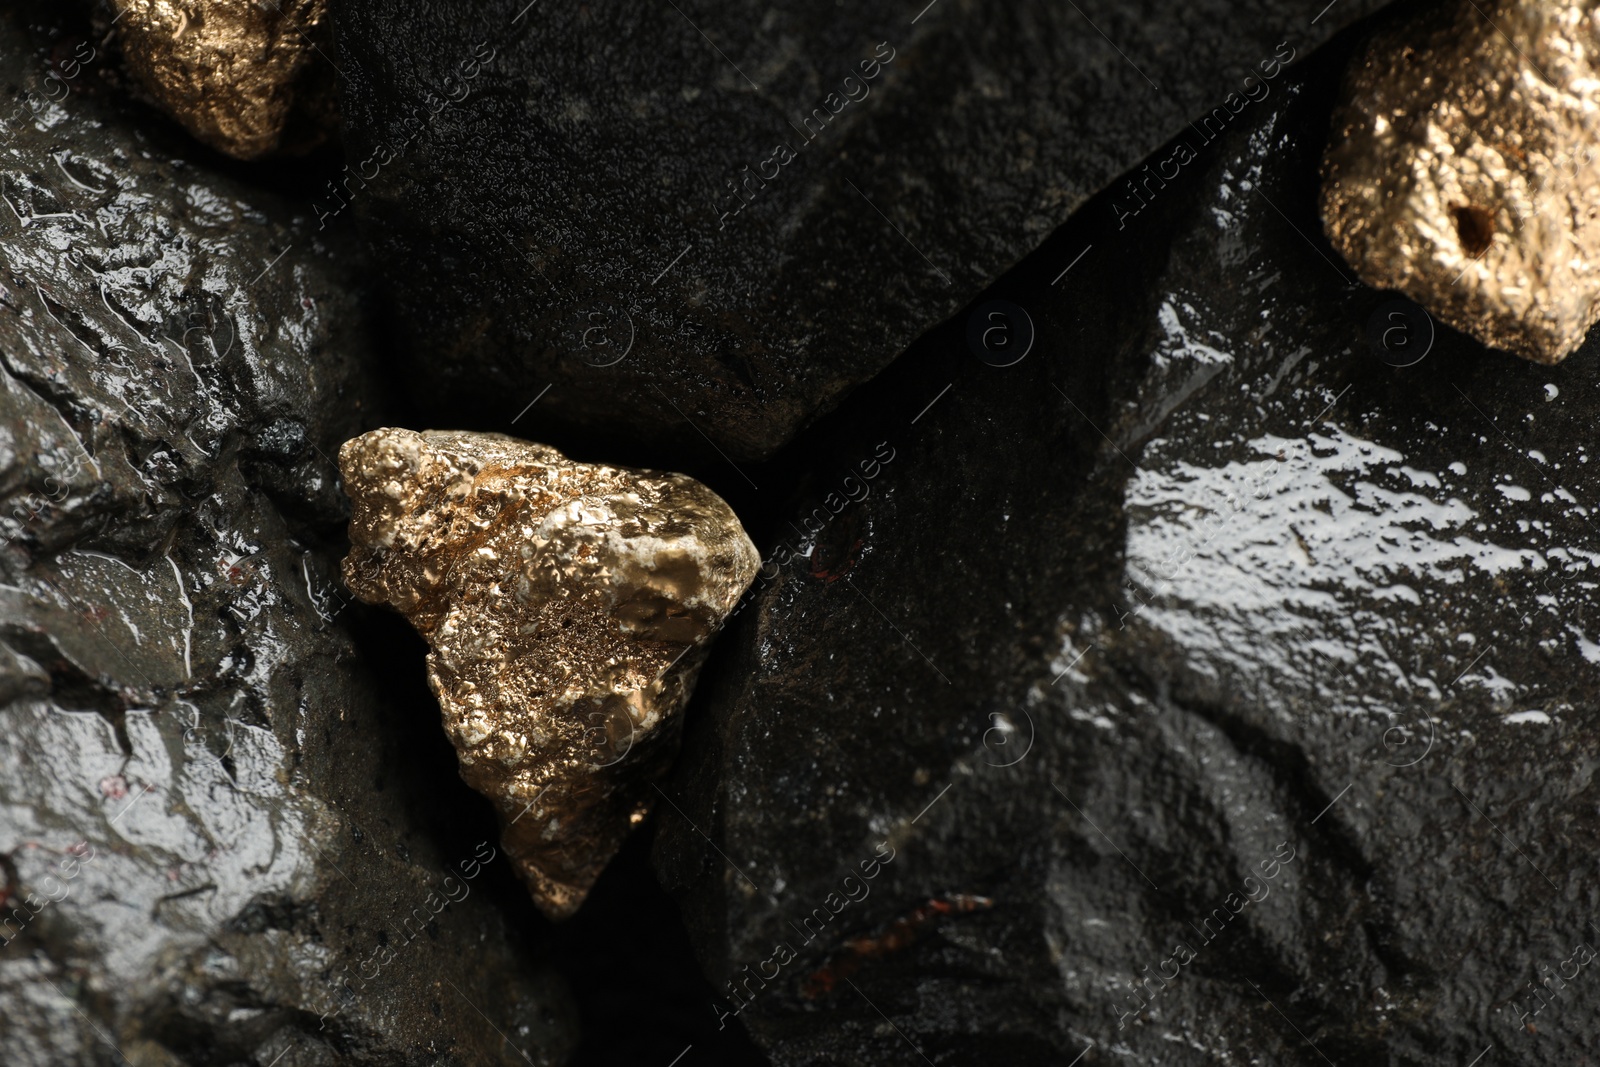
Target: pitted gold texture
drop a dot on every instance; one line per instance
(568, 607)
(232, 71)
(1462, 169)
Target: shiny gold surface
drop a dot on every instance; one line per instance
(567, 607)
(228, 70)
(1463, 169)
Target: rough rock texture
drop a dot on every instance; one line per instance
(1296, 667)
(248, 79)
(568, 607)
(551, 189)
(210, 847)
(1462, 167)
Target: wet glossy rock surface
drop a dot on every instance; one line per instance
(210, 847)
(548, 188)
(1199, 590)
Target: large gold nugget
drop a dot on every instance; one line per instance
(229, 70)
(1463, 167)
(568, 608)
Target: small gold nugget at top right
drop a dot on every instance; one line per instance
(1464, 170)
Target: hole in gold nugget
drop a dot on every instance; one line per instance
(1475, 227)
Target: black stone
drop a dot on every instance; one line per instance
(548, 188)
(211, 805)
(1203, 589)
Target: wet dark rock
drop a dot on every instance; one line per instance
(210, 832)
(549, 189)
(1201, 601)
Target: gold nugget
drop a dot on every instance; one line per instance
(231, 71)
(1463, 167)
(568, 607)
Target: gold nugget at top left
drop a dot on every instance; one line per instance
(245, 77)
